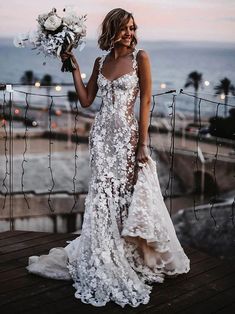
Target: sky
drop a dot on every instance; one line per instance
(178, 20)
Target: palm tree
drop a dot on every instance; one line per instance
(194, 79)
(72, 98)
(47, 82)
(28, 78)
(225, 87)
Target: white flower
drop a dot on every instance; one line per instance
(33, 37)
(52, 23)
(106, 257)
(70, 16)
(52, 32)
(77, 29)
(42, 18)
(20, 40)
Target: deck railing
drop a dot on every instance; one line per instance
(169, 117)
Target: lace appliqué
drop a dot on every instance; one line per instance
(104, 262)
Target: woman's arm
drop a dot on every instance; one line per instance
(145, 83)
(86, 94)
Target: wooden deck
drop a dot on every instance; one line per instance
(208, 288)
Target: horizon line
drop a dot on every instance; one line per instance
(153, 40)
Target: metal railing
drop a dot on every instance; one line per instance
(169, 121)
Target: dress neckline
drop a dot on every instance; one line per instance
(121, 76)
(134, 63)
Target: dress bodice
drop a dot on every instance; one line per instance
(119, 93)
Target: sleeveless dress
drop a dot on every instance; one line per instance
(124, 207)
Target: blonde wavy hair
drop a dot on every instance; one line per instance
(111, 25)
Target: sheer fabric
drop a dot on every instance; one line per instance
(128, 239)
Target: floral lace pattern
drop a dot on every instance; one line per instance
(104, 262)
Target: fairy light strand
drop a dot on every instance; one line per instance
(75, 157)
(49, 158)
(169, 185)
(214, 172)
(197, 159)
(5, 151)
(25, 150)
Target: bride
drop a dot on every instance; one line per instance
(128, 240)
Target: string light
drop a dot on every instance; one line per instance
(171, 174)
(58, 88)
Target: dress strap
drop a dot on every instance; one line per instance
(101, 61)
(135, 63)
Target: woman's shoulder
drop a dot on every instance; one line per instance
(142, 54)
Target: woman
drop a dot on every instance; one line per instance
(127, 236)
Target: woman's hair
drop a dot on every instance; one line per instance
(111, 25)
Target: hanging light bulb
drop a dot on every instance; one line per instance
(58, 88)
(163, 85)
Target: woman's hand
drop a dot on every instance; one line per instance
(142, 153)
(66, 54)
(69, 61)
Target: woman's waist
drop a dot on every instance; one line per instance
(126, 117)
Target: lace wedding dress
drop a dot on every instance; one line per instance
(128, 239)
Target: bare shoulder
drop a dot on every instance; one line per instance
(97, 61)
(97, 64)
(142, 56)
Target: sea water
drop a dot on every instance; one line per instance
(171, 62)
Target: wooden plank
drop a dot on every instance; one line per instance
(21, 282)
(9, 234)
(227, 309)
(61, 300)
(8, 266)
(213, 303)
(178, 297)
(209, 264)
(27, 244)
(141, 308)
(22, 237)
(191, 299)
(26, 292)
(35, 299)
(162, 294)
(42, 244)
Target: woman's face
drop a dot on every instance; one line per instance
(125, 36)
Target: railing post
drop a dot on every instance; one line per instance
(10, 91)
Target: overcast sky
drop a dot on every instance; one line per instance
(207, 20)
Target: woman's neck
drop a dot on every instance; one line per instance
(121, 51)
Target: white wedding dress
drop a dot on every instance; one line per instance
(128, 240)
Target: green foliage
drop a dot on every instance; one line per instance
(223, 127)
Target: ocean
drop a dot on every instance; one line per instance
(171, 62)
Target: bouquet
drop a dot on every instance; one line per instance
(56, 34)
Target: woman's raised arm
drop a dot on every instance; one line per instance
(86, 94)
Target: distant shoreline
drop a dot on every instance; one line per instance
(8, 41)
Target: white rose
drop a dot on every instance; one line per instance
(77, 29)
(52, 23)
(70, 19)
